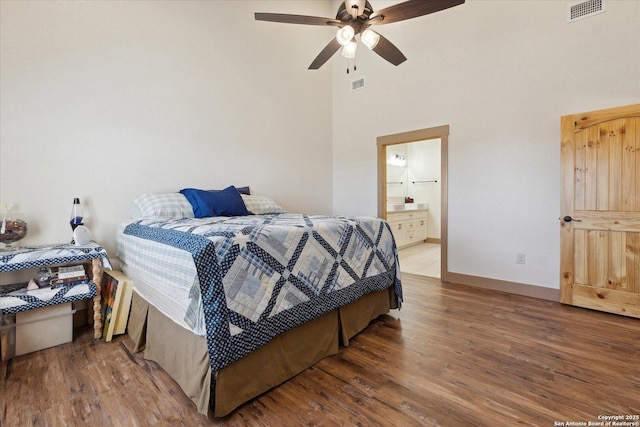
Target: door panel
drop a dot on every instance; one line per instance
(600, 243)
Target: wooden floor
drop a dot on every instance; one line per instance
(453, 356)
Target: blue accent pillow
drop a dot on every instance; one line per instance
(227, 202)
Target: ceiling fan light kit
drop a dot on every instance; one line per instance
(370, 38)
(345, 35)
(354, 17)
(349, 50)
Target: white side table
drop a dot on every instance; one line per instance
(49, 255)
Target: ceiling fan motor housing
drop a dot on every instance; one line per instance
(354, 9)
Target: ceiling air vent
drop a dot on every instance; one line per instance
(584, 9)
(357, 84)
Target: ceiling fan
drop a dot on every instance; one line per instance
(354, 18)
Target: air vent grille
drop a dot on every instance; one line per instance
(357, 84)
(584, 9)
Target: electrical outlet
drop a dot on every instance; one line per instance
(520, 258)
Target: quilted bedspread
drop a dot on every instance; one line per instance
(262, 275)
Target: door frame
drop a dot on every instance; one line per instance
(441, 132)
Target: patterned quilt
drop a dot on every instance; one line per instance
(262, 275)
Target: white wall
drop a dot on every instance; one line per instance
(107, 100)
(500, 74)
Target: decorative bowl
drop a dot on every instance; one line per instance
(12, 230)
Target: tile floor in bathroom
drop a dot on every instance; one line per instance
(422, 259)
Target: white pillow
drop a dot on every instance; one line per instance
(165, 205)
(261, 205)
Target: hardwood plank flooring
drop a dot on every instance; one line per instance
(453, 356)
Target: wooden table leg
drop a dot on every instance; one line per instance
(9, 369)
(97, 300)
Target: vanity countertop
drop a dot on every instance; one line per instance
(407, 210)
(404, 207)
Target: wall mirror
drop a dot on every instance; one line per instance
(397, 173)
(412, 172)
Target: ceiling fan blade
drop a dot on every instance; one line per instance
(296, 19)
(389, 51)
(411, 9)
(326, 53)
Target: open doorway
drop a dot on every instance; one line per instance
(404, 192)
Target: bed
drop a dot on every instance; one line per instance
(233, 302)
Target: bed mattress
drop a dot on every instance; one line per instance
(164, 276)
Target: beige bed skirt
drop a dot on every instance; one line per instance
(184, 356)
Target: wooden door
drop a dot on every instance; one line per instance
(600, 208)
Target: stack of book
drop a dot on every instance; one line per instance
(68, 276)
(116, 291)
